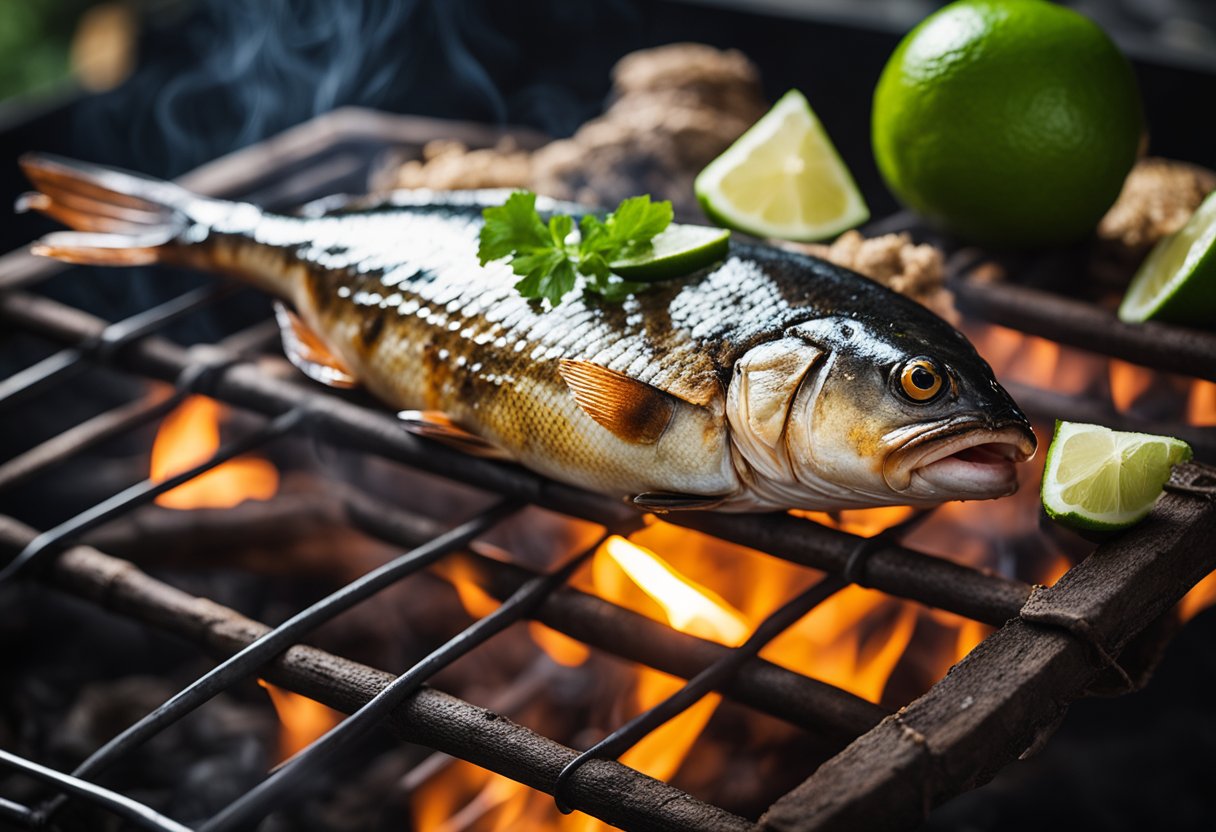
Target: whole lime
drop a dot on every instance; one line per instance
(1009, 122)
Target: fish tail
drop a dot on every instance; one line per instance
(120, 218)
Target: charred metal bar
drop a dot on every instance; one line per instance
(71, 361)
(14, 812)
(270, 793)
(632, 732)
(1066, 636)
(247, 661)
(140, 815)
(608, 790)
(895, 570)
(1049, 403)
(83, 436)
(139, 494)
(123, 418)
(1174, 349)
(891, 568)
(800, 700)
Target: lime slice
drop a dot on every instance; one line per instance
(1098, 478)
(676, 251)
(1177, 281)
(782, 178)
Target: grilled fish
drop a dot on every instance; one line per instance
(770, 381)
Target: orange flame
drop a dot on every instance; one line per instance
(560, 647)
(1128, 383)
(1201, 596)
(302, 720)
(1201, 409)
(189, 436)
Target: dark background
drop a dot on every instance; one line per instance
(215, 75)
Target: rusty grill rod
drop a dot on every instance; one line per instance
(1173, 349)
(248, 660)
(70, 362)
(893, 569)
(121, 805)
(262, 799)
(798, 699)
(608, 790)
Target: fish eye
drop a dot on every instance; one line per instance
(920, 380)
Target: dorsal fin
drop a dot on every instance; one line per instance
(633, 410)
(306, 350)
(432, 424)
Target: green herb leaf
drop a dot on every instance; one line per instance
(549, 266)
(511, 227)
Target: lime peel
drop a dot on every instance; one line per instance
(783, 178)
(679, 250)
(1100, 479)
(1177, 281)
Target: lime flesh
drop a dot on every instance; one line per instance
(676, 251)
(782, 178)
(1098, 478)
(1177, 281)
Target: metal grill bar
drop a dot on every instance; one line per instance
(895, 570)
(709, 679)
(247, 661)
(141, 493)
(1174, 349)
(71, 362)
(608, 790)
(123, 806)
(1067, 635)
(268, 794)
(802, 701)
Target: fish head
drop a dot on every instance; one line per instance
(840, 413)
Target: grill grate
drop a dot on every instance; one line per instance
(1054, 643)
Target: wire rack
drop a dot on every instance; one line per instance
(1053, 644)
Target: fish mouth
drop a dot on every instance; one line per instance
(969, 461)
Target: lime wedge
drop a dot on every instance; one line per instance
(782, 178)
(1098, 478)
(676, 251)
(1177, 281)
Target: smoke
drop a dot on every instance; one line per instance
(216, 75)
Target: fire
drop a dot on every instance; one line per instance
(1201, 409)
(189, 436)
(560, 647)
(302, 720)
(1128, 383)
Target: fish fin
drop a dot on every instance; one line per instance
(633, 410)
(306, 350)
(433, 424)
(120, 219)
(667, 501)
(767, 379)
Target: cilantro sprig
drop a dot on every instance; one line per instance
(549, 266)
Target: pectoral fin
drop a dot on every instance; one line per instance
(306, 350)
(431, 424)
(633, 410)
(661, 501)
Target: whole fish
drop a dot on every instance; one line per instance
(770, 381)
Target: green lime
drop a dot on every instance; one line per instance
(782, 178)
(1177, 281)
(1101, 479)
(1009, 122)
(678, 250)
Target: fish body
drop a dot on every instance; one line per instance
(770, 381)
